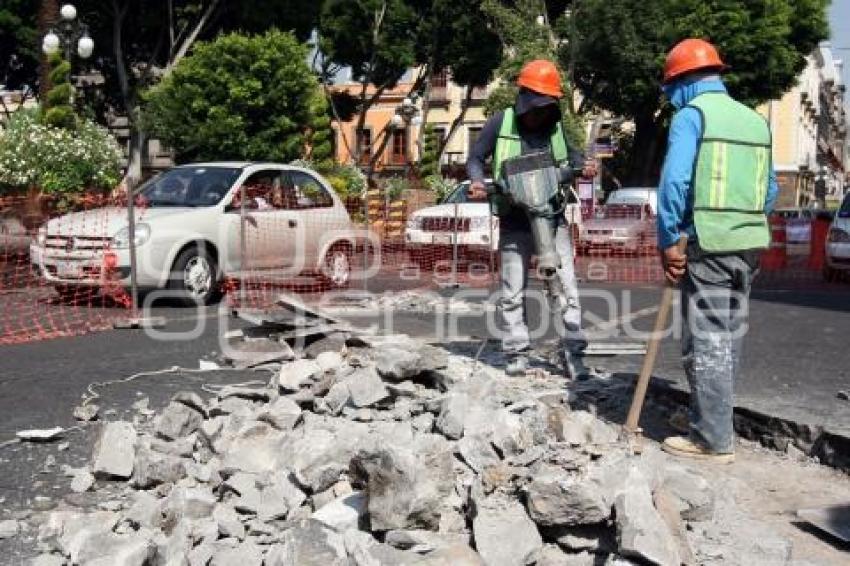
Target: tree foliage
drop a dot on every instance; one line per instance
(241, 97)
(620, 48)
(524, 30)
(19, 43)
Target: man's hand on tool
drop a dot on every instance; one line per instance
(675, 262)
(477, 191)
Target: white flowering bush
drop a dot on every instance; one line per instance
(57, 160)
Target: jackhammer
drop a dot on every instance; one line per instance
(533, 182)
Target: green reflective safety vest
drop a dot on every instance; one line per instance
(509, 144)
(731, 176)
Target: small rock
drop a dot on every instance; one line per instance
(83, 481)
(452, 414)
(402, 389)
(843, 395)
(189, 503)
(151, 469)
(283, 414)
(296, 374)
(397, 364)
(504, 534)
(424, 542)
(641, 532)
(86, 412)
(246, 554)
(456, 555)
(9, 528)
(309, 543)
(557, 501)
(62, 446)
(329, 361)
(366, 388)
(337, 397)
(692, 493)
(346, 512)
(228, 521)
(114, 451)
(146, 511)
(477, 452)
(48, 560)
(177, 420)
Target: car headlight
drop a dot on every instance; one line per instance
(121, 240)
(479, 223)
(837, 235)
(414, 223)
(41, 238)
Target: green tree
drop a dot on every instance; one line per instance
(619, 50)
(524, 29)
(19, 43)
(241, 97)
(57, 110)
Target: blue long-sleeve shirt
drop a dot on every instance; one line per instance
(675, 193)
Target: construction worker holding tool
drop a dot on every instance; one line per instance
(717, 186)
(531, 125)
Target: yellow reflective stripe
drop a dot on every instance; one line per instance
(717, 187)
(762, 177)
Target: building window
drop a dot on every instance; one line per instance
(364, 145)
(398, 155)
(438, 92)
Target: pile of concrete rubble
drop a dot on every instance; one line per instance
(387, 452)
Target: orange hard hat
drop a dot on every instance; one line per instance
(541, 76)
(691, 55)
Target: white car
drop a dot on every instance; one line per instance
(838, 243)
(188, 226)
(430, 233)
(635, 195)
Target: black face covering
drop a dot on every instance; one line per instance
(535, 111)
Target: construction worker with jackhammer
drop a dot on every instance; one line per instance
(531, 125)
(717, 186)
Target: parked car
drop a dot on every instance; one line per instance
(838, 243)
(798, 224)
(626, 224)
(430, 232)
(187, 232)
(635, 195)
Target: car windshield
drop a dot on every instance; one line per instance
(189, 186)
(617, 211)
(459, 194)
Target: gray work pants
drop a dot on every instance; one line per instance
(715, 307)
(515, 251)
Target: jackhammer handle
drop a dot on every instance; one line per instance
(652, 344)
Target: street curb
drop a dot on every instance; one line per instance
(829, 448)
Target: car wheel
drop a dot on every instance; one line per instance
(195, 277)
(336, 267)
(75, 293)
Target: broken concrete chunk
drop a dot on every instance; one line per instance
(366, 551)
(146, 510)
(48, 560)
(297, 374)
(504, 534)
(397, 364)
(343, 513)
(115, 450)
(9, 528)
(283, 414)
(229, 524)
(309, 543)
(337, 397)
(246, 554)
(453, 412)
(641, 532)
(91, 546)
(406, 485)
(86, 413)
(477, 452)
(177, 420)
(40, 435)
(366, 387)
(82, 481)
(558, 500)
(692, 493)
(329, 360)
(151, 469)
(189, 503)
